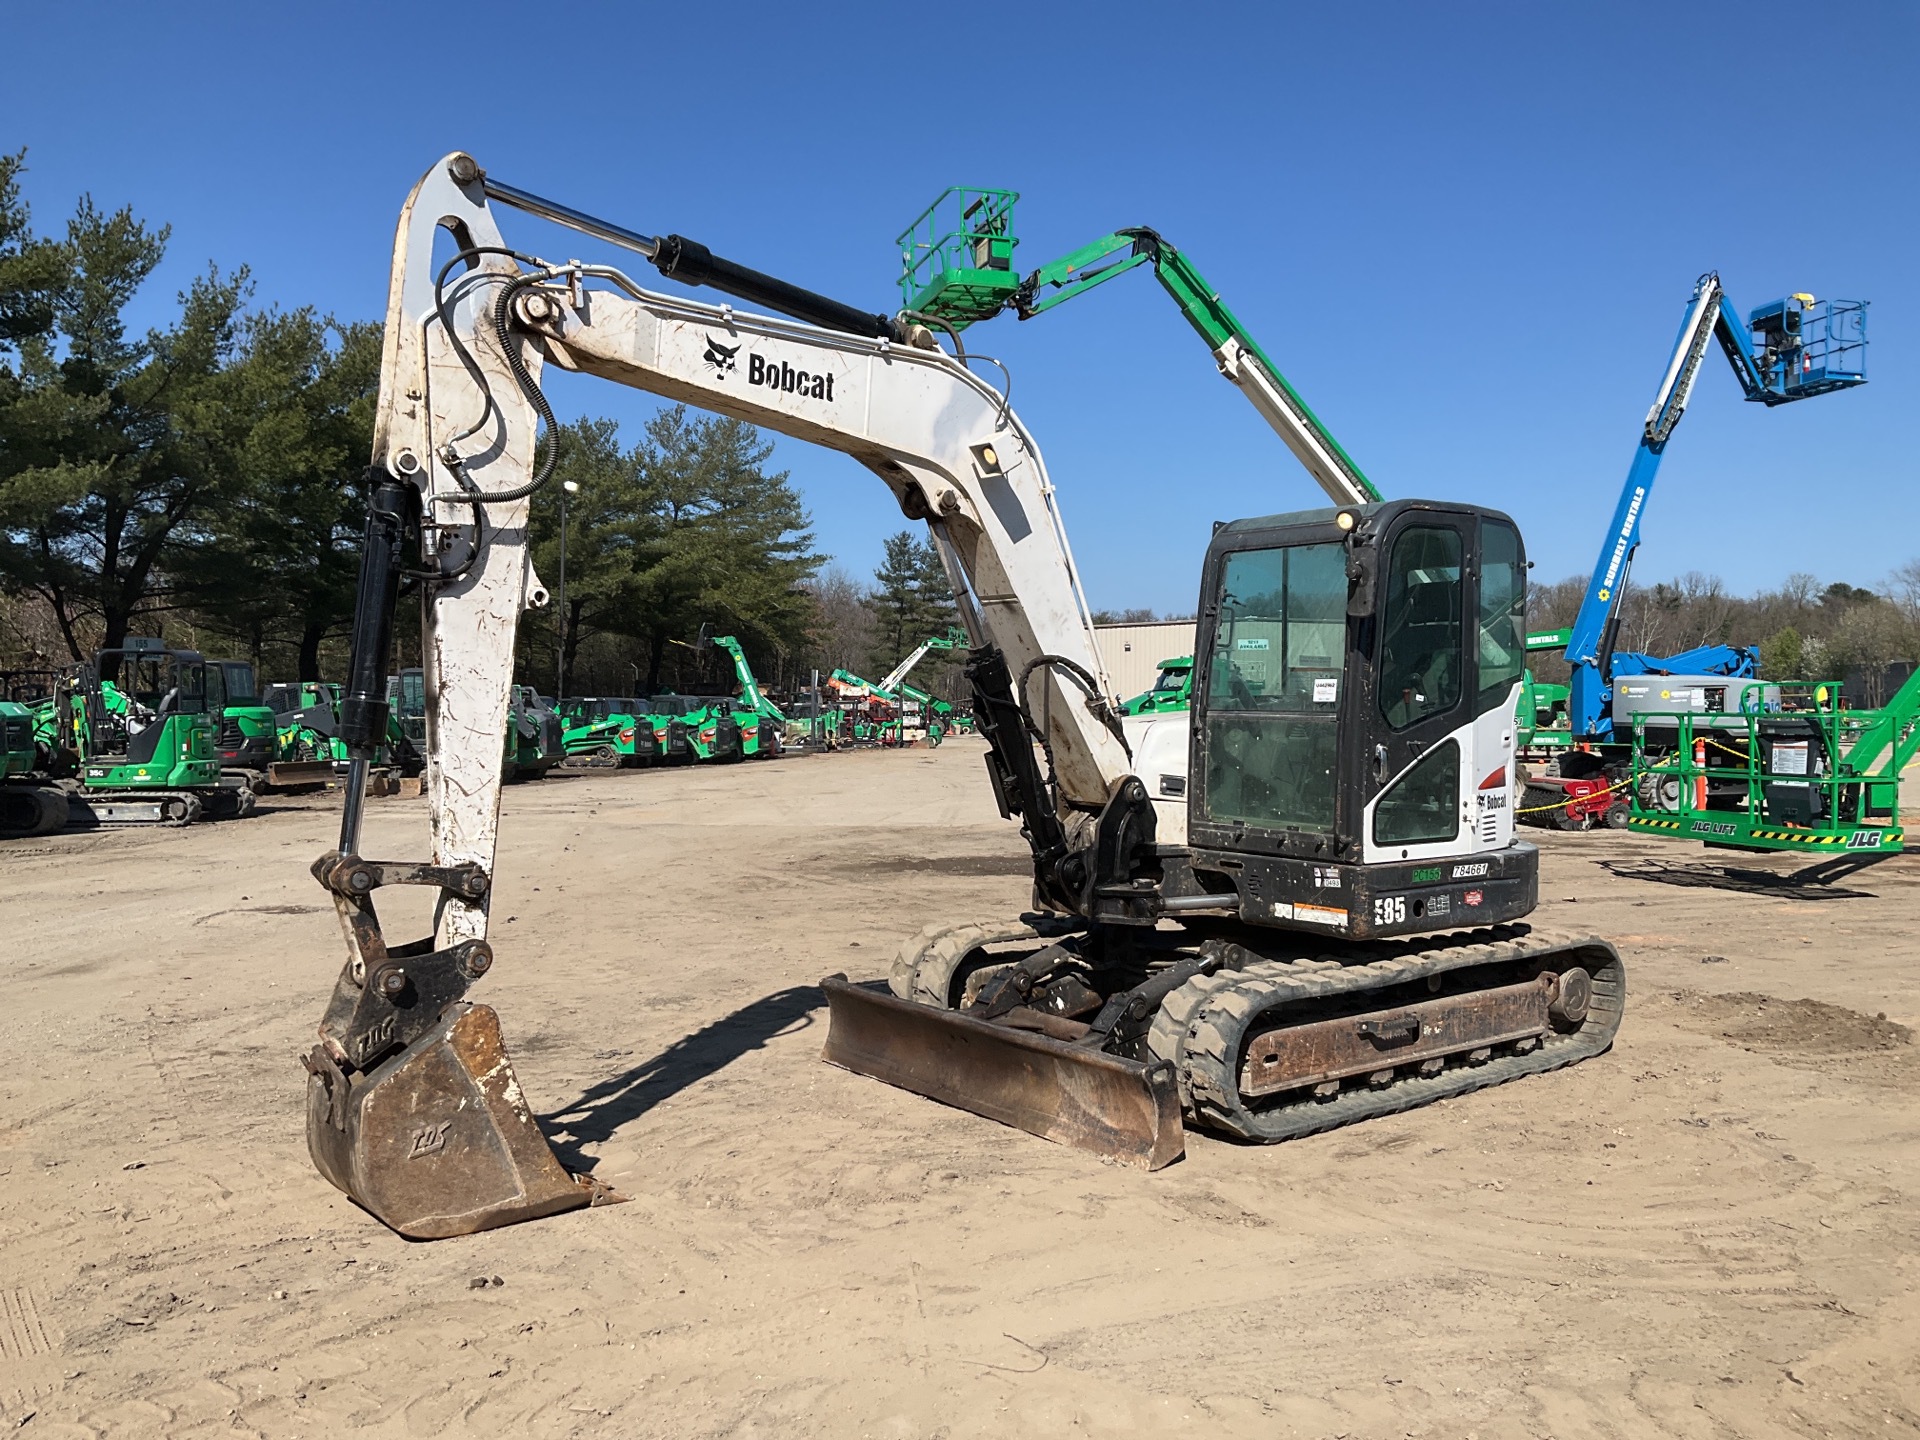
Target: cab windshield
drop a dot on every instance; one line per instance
(1273, 687)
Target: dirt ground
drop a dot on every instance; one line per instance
(1710, 1231)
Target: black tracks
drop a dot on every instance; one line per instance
(1203, 1027)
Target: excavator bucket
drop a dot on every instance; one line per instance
(1073, 1094)
(438, 1140)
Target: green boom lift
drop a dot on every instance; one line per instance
(938, 714)
(956, 264)
(762, 723)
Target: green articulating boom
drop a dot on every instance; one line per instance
(1761, 765)
(938, 714)
(762, 723)
(956, 263)
(860, 701)
(145, 741)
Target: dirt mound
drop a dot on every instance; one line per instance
(1766, 1024)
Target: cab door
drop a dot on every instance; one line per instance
(1438, 741)
(1415, 730)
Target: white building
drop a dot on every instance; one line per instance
(1132, 653)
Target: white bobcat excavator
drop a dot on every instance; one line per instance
(1323, 929)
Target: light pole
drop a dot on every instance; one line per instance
(567, 487)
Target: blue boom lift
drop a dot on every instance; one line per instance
(1787, 350)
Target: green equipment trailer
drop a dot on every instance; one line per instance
(145, 740)
(1761, 765)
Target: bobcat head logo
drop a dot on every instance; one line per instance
(720, 357)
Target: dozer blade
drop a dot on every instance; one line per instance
(438, 1140)
(291, 774)
(1073, 1094)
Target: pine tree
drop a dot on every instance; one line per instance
(115, 447)
(911, 600)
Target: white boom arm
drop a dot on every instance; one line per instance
(453, 420)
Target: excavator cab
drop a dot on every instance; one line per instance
(1353, 718)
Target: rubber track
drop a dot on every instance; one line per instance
(195, 807)
(1203, 1026)
(923, 970)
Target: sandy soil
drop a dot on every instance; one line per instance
(1710, 1231)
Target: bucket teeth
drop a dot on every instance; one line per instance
(438, 1140)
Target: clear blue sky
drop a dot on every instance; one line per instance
(1466, 232)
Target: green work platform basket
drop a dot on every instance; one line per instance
(956, 260)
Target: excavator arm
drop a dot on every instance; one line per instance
(414, 1110)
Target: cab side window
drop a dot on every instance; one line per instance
(1421, 654)
(1503, 614)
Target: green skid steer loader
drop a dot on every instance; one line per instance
(606, 733)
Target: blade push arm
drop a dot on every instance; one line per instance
(1235, 351)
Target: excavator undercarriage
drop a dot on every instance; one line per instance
(1111, 1045)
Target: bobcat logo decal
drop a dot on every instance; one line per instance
(720, 357)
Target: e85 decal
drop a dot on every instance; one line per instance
(1390, 910)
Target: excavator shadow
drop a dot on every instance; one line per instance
(1810, 882)
(602, 1110)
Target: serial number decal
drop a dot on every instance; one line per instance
(1470, 872)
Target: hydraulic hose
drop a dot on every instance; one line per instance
(529, 388)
